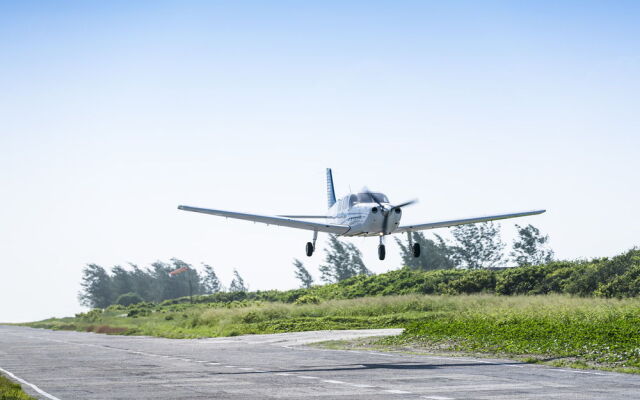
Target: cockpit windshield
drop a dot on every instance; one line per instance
(372, 197)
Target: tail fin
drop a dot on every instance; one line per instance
(331, 194)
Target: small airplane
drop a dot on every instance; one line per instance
(361, 214)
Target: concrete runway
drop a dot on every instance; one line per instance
(75, 365)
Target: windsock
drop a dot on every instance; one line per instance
(178, 271)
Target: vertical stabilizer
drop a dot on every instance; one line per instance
(331, 194)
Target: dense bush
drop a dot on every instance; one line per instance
(128, 299)
(615, 277)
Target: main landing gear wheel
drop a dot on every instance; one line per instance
(381, 252)
(416, 250)
(309, 249)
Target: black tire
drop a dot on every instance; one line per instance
(416, 250)
(381, 252)
(309, 249)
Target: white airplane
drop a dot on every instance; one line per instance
(362, 214)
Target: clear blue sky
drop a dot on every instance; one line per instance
(113, 113)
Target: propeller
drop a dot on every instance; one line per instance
(386, 212)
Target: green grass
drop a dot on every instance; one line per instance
(557, 329)
(212, 320)
(12, 391)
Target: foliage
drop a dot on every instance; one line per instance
(530, 247)
(302, 274)
(210, 282)
(343, 260)
(434, 254)
(237, 284)
(598, 331)
(477, 245)
(96, 287)
(604, 332)
(101, 288)
(128, 299)
(12, 391)
(307, 299)
(615, 277)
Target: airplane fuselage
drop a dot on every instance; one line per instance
(365, 218)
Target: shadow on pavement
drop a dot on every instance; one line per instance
(389, 366)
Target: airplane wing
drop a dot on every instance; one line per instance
(454, 222)
(280, 221)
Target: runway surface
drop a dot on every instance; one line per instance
(76, 365)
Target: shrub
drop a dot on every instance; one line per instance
(471, 282)
(138, 312)
(90, 316)
(307, 299)
(128, 299)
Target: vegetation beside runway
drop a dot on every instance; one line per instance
(10, 390)
(579, 313)
(560, 329)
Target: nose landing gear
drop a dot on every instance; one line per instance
(381, 249)
(381, 252)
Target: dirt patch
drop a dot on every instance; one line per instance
(109, 330)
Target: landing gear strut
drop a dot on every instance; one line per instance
(381, 249)
(312, 246)
(415, 247)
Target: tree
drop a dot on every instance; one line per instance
(96, 287)
(302, 274)
(343, 260)
(237, 284)
(530, 247)
(141, 281)
(163, 285)
(210, 282)
(121, 282)
(477, 245)
(434, 254)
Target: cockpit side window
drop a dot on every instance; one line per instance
(353, 199)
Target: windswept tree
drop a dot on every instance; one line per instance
(210, 282)
(141, 282)
(343, 260)
(237, 283)
(96, 287)
(121, 281)
(434, 254)
(477, 245)
(305, 278)
(162, 282)
(531, 247)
